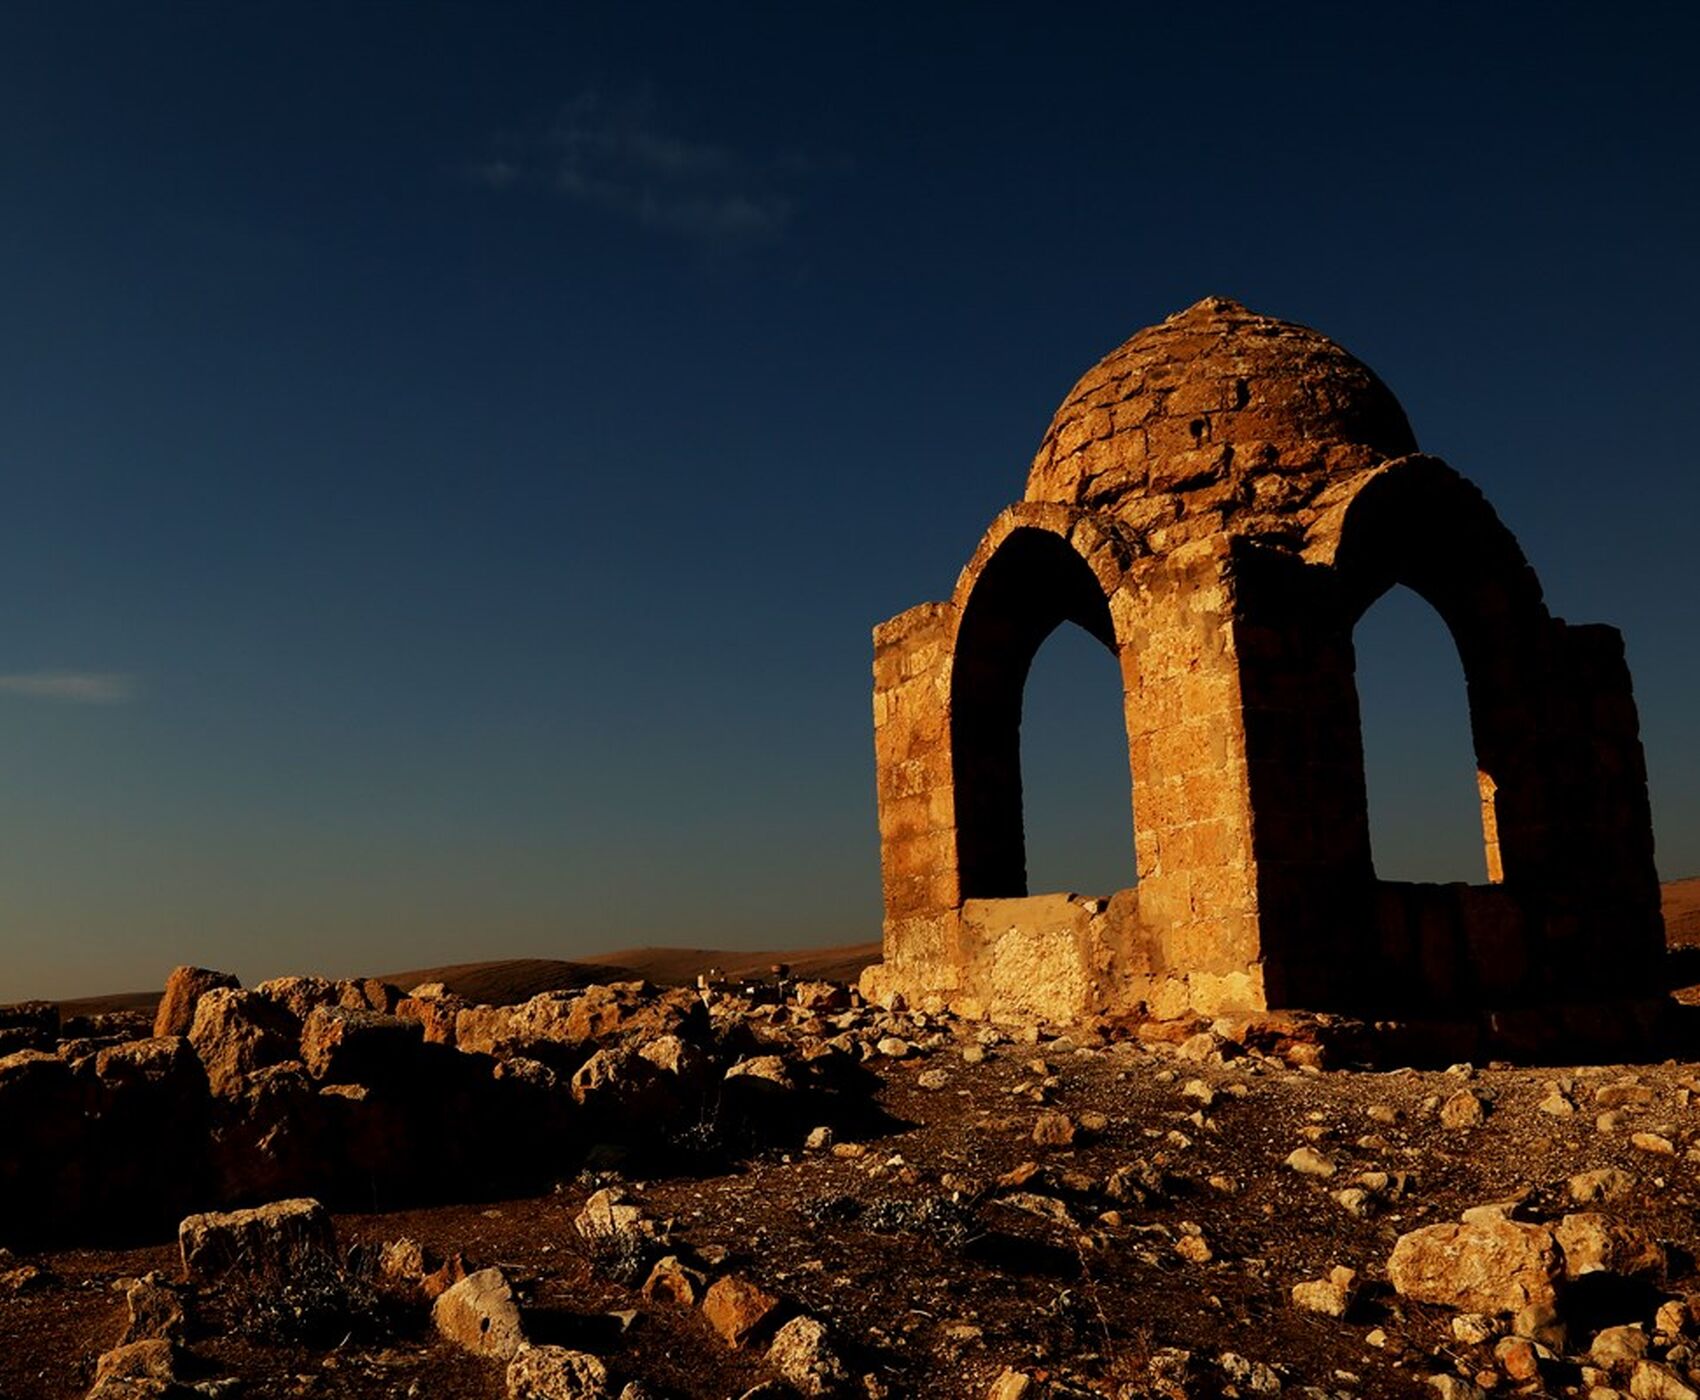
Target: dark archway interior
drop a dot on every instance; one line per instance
(1032, 585)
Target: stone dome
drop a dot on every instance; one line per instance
(1217, 413)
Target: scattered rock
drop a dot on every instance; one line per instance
(1053, 1129)
(267, 1246)
(155, 1311)
(673, 1281)
(1595, 1243)
(184, 989)
(1307, 1161)
(1332, 1297)
(1603, 1185)
(479, 1314)
(1651, 1381)
(803, 1353)
(1495, 1267)
(555, 1373)
(236, 1032)
(737, 1309)
(1619, 1347)
(1463, 1110)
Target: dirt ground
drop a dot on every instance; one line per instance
(951, 1245)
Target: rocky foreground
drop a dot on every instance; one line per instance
(338, 1190)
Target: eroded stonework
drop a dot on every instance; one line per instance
(1218, 502)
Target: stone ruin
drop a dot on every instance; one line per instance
(1218, 502)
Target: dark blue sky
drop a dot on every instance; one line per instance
(454, 454)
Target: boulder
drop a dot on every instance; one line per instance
(1494, 1266)
(270, 1245)
(183, 992)
(480, 1315)
(1332, 1297)
(804, 1354)
(436, 1014)
(555, 1373)
(28, 1025)
(622, 1085)
(486, 1030)
(236, 1032)
(1595, 1243)
(674, 1281)
(349, 1046)
(155, 1312)
(608, 1214)
(300, 996)
(154, 1360)
(269, 1136)
(166, 1064)
(738, 1309)
(368, 994)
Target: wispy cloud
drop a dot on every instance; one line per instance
(621, 157)
(75, 687)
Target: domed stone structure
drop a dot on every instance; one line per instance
(1218, 501)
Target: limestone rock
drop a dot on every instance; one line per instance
(479, 1314)
(155, 1312)
(737, 1309)
(1619, 1346)
(803, 1353)
(673, 1281)
(1605, 1185)
(236, 1032)
(1595, 1243)
(1462, 1110)
(1307, 1161)
(346, 1045)
(184, 989)
(608, 1215)
(1651, 1381)
(555, 1373)
(1011, 1385)
(1053, 1129)
(269, 1244)
(436, 1010)
(1493, 1267)
(1332, 1297)
(300, 996)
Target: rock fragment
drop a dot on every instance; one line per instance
(480, 1315)
(803, 1353)
(737, 1309)
(1495, 1267)
(270, 1245)
(183, 991)
(556, 1373)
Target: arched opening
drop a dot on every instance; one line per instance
(1431, 805)
(1033, 584)
(1076, 817)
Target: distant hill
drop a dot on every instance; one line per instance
(1682, 911)
(506, 981)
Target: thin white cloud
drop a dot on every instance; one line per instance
(76, 687)
(620, 157)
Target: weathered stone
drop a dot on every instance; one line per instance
(555, 1373)
(803, 1353)
(155, 1312)
(184, 989)
(150, 1360)
(480, 1315)
(1462, 1110)
(1651, 1381)
(1053, 1129)
(1619, 1347)
(1332, 1297)
(236, 1032)
(368, 994)
(1605, 1185)
(674, 1281)
(1011, 1385)
(608, 1214)
(1594, 1243)
(300, 996)
(737, 1309)
(1307, 1161)
(270, 1244)
(345, 1045)
(436, 1013)
(1496, 1267)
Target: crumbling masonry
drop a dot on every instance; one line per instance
(1218, 502)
